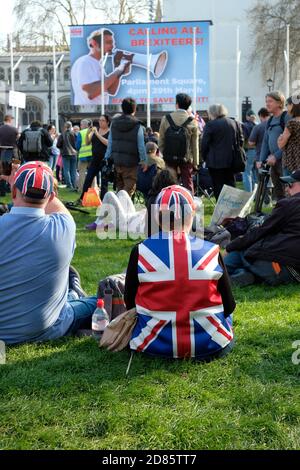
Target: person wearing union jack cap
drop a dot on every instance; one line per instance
(180, 287)
(40, 293)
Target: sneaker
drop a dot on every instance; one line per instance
(61, 186)
(242, 279)
(75, 283)
(92, 226)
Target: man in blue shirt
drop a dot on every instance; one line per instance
(37, 241)
(270, 152)
(126, 147)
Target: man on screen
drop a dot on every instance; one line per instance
(86, 73)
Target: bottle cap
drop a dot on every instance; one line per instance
(100, 303)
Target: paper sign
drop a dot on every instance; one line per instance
(17, 99)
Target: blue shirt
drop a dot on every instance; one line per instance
(269, 145)
(257, 136)
(140, 145)
(35, 255)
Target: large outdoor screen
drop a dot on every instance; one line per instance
(171, 62)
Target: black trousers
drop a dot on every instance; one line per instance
(221, 176)
(93, 171)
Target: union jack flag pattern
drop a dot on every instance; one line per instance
(180, 311)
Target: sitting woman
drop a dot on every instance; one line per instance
(180, 287)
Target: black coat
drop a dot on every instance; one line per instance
(218, 142)
(277, 239)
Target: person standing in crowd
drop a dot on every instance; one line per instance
(35, 143)
(179, 284)
(126, 147)
(99, 140)
(54, 151)
(289, 141)
(181, 117)
(40, 294)
(85, 153)
(249, 175)
(67, 144)
(220, 136)
(270, 153)
(8, 138)
(257, 134)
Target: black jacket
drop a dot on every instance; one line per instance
(218, 142)
(124, 131)
(47, 143)
(277, 239)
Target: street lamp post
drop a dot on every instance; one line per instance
(270, 84)
(49, 69)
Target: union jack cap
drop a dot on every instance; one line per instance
(35, 180)
(176, 199)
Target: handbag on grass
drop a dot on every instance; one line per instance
(117, 334)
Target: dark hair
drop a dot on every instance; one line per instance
(163, 179)
(183, 100)
(107, 118)
(98, 37)
(50, 127)
(295, 102)
(263, 112)
(149, 130)
(128, 105)
(36, 124)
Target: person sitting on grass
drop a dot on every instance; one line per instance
(270, 253)
(179, 287)
(40, 293)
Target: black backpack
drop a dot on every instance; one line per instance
(176, 141)
(32, 141)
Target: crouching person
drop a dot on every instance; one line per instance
(270, 253)
(179, 286)
(40, 293)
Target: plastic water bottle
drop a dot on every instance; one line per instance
(100, 319)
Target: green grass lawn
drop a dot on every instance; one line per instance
(68, 394)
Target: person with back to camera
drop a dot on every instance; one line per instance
(219, 138)
(180, 287)
(40, 293)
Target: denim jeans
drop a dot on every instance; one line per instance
(236, 264)
(52, 161)
(249, 175)
(69, 169)
(83, 309)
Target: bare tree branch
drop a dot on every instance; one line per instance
(268, 24)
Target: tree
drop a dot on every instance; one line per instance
(268, 24)
(37, 19)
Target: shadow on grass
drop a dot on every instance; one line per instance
(266, 357)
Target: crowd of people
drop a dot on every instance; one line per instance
(179, 284)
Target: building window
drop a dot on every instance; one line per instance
(66, 74)
(46, 74)
(34, 75)
(2, 74)
(32, 112)
(65, 107)
(17, 75)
